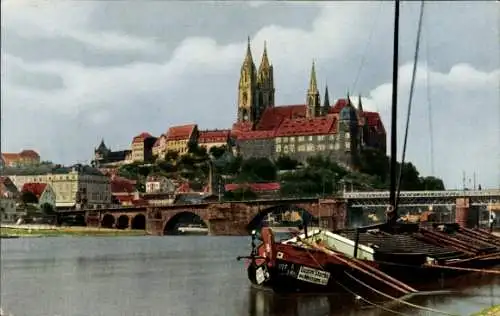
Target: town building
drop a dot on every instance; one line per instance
(8, 200)
(23, 159)
(300, 131)
(159, 184)
(74, 186)
(142, 147)
(215, 138)
(176, 140)
(43, 192)
(104, 156)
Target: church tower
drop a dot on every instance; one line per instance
(326, 102)
(313, 102)
(247, 103)
(265, 84)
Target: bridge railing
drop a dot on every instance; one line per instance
(423, 194)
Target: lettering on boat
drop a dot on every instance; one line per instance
(260, 275)
(315, 276)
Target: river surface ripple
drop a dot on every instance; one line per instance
(73, 276)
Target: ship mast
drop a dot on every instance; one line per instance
(392, 214)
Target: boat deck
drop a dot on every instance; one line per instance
(403, 243)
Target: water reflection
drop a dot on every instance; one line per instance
(174, 276)
(470, 294)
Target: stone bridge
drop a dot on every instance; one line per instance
(234, 218)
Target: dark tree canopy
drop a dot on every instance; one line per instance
(27, 197)
(286, 163)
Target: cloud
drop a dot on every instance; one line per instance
(90, 99)
(35, 19)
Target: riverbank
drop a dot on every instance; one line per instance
(490, 311)
(53, 231)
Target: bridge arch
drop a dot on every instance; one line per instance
(282, 215)
(122, 222)
(139, 222)
(182, 218)
(108, 221)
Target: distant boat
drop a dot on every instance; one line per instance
(193, 229)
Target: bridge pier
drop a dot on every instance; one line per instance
(465, 214)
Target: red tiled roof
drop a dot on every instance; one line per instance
(7, 157)
(254, 135)
(272, 117)
(35, 188)
(304, 127)
(180, 132)
(29, 154)
(121, 185)
(256, 187)
(213, 136)
(240, 127)
(141, 137)
(338, 106)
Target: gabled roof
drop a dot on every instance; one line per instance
(240, 128)
(214, 136)
(28, 153)
(141, 137)
(8, 187)
(256, 135)
(180, 132)
(305, 127)
(34, 187)
(158, 140)
(122, 185)
(272, 117)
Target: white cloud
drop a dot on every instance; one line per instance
(36, 19)
(199, 82)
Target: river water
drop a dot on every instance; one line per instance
(174, 275)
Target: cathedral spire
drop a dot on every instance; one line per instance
(360, 105)
(264, 63)
(313, 85)
(326, 101)
(248, 56)
(313, 101)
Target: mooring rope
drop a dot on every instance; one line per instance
(377, 291)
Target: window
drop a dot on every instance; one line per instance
(278, 140)
(347, 135)
(321, 138)
(337, 146)
(292, 148)
(310, 138)
(330, 146)
(292, 139)
(347, 145)
(332, 137)
(301, 138)
(278, 149)
(301, 148)
(321, 147)
(310, 147)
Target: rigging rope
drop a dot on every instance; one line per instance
(410, 99)
(363, 57)
(429, 107)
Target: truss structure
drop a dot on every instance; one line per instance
(423, 198)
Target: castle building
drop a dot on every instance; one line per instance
(24, 158)
(300, 131)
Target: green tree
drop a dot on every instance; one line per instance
(432, 184)
(28, 197)
(218, 151)
(257, 170)
(410, 177)
(286, 163)
(375, 162)
(47, 209)
(171, 156)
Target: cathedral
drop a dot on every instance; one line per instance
(339, 130)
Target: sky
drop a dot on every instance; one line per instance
(74, 72)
